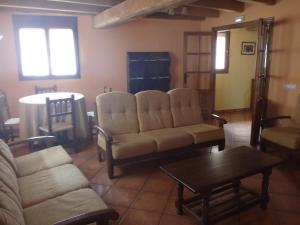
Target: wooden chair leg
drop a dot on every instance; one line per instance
(221, 145)
(110, 170)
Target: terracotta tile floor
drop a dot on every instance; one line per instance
(143, 195)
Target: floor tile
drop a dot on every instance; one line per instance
(159, 185)
(141, 217)
(100, 189)
(256, 215)
(150, 201)
(177, 220)
(134, 181)
(287, 203)
(120, 196)
(285, 218)
(102, 178)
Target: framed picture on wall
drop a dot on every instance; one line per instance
(248, 48)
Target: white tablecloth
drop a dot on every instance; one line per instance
(33, 113)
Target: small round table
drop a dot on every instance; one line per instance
(33, 113)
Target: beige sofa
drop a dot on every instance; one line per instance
(45, 188)
(152, 124)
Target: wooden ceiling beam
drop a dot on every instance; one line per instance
(131, 9)
(50, 6)
(102, 3)
(267, 2)
(226, 5)
(162, 15)
(197, 11)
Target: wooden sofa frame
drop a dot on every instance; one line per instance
(111, 162)
(101, 217)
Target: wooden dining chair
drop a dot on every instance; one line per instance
(61, 117)
(9, 127)
(41, 90)
(92, 120)
(282, 137)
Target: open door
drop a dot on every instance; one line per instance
(198, 61)
(261, 77)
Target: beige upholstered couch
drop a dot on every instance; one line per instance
(152, 124)
(45, 188)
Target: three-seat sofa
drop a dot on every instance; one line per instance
(152, 124)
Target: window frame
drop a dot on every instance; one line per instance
(46, 23)
(227, 50)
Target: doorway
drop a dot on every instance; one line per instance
(247, 90)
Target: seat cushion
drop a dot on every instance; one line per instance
(50, 183)
(41, 160)
(57, 127)
(11, 211)
(12, 122)
(71, 204)
(169, 138)
(288, 137)
(153, 109)
(204, 132)
(6, 153)
(129, 145)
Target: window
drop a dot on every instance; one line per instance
(47, 47)
(222, 52)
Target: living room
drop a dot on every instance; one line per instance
(142, 193)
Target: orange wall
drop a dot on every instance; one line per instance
(102, 56)
(285, 63)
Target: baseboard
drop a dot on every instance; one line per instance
(233, 110)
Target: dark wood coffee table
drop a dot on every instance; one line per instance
(215, 178)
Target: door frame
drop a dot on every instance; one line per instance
(254, 23)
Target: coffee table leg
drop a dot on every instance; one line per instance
(265, 188)
(179, 201)
(205, 208)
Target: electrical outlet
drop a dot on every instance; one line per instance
(290, 86)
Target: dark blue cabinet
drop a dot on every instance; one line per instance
(148, 71)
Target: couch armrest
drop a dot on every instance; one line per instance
(33, 140)
(106, 134)
(221, 121)
(266, 121)
(100, 217)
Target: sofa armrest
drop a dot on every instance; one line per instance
(266, 121)
(34, 140)
(106, 134)
(100, 217)
(221, 121)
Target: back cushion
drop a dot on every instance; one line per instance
(153, 109)
(117, 112)
(6, 153)
(8, 177)
(185, 107)
(11, 211)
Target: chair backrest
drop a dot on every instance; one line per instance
(185, 107)
(59, 110)
(153, 109)
(117, 112)
(41, 90)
